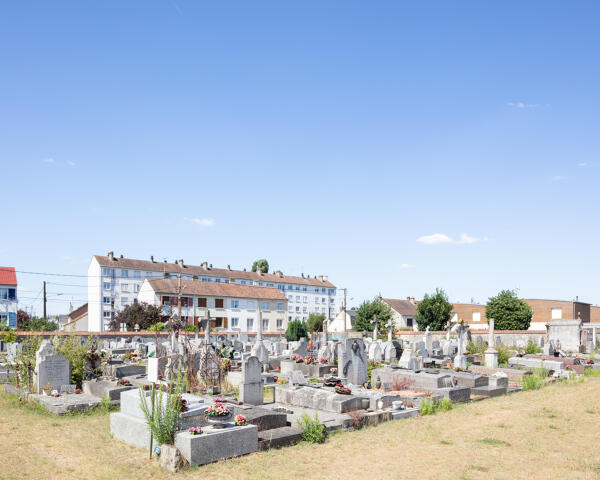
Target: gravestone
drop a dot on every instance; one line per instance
(389, 352)
(491, 354)
(12, 351)
(375, 353)
(301, 349)
(51, 368)
(156, 368)
(549, 349)
(408, 360)
(252, 388)
(352, 361)
(297, 378)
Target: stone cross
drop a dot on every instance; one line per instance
(390, 327)
(491, 333)
(448, 327)
(259, 332)
(324, 340)
(460, 360)
(207, 328)
(374, 322)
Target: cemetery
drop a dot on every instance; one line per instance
(194, 400)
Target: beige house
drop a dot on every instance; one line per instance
(77, 320)
(404, 312)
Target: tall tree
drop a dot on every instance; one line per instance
(508, 311)
(142, 314)
(261, 265)
(367, 312)
(434, 311)
(296, 330)
(23, 318)
(314, 323)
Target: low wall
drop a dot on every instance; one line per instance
(507, 337)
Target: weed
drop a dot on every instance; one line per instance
(427, 407)
(311, 429)
(105, 403)
(446, 442)
(494, 441)
(444, 405)
(357, 418)
(531, 347)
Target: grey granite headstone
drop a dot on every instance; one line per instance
(51, 368)
(352, 361)
(252, 388)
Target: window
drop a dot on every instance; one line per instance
(270, 285)
(261, 284)
(124, 273)
(305, 299)
(137, 274)
(324, 300)
(297, 309)
(279, 323)
(107, 286)
(409, 322)
(289, 287)
(136, 288)
(249, 323)
(297, 298)
(109, 272)
(291, 298)
(476, 316)
(298, 288)
(290, 308)
(265, 324)
(556, 313)
(304, 309)
(323, 290)
(148, 274)
(106, 314)
(217, 280)
(317, 289)
(317, 309)
(124, 287)
(304, 289)
(280, 307)
(264, 305)
(235, 304)
(235, 322)
(218, 303)
(124, 300)
(202, 302)
(106, 300)
(331, 291)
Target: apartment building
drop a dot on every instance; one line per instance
(8, 297)
(231, 306)
(115, 282)
(543, 311)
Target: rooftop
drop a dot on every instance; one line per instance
(192, 287)
(8, 276)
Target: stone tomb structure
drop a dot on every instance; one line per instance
(252, 387)
(352, 361)
(51, 368)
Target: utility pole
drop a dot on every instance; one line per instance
(44, 300)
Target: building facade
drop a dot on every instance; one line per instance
(229, 306)
(404, 312)
(114, 282)
(8, 297)
(543, 311)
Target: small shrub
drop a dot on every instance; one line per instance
(312, 430)
(535, 381)
(372, 365)
(532, 347)
(591, 372)
(191, 328)
(105, 403)
(444, 405)
(157, 327)
(401, 383)
(427, 407)
(504, 353)
(357, 418)
(474, 347)
(9, 337)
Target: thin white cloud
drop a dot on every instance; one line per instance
(464, 238)
(522, 105)
(203, 222)
(48, 160)
(558, 178)
(582, 164)
(71, 164)
(406, 265)
(443, 238)
(434, 239)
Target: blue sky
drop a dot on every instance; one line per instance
(361, 140)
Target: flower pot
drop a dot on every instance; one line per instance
(219, 422)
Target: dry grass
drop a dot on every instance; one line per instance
(548, 433)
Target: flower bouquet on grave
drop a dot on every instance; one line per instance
(339, 388)
(46, 389)
(281, 381)
(55, 393)
(183, 403)
(226, 364)
(333, 370)
(77, 391)
(323, 360)
(218, 414)
(308, 359)
(297, 358)
(241, 421)
(123, 382)
(195, 430)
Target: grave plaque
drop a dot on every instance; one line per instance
(51, 368)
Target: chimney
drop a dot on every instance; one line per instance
(244, 269)
(120, 256)
(302, 275)
(204, 265)
(210, 266)
(111, 255)
(152, 258)
(323, 278)
(180, 262)
(228, 267)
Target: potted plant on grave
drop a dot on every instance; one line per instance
(46, 389)
(308, 359)
(323, 360)
(240, 421)
(195, 430)
(297, 358)
(226, 364)
(218, 414)
(77, 391)
(123, 382)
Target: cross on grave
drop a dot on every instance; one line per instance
(390, 329)
(374, 323)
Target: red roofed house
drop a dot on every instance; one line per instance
(8, 297)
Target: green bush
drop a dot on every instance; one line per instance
(535, 381)
(427, 407)
(191, 328)
(504, 353)
(157, 327)
(311, 429)
(76, 353)
(591, 372)
(9, 337)
(532, 347)
(473, 347)
(444, 405)
(296, 330)
(371, 365)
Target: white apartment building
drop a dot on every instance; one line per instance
(230, 306)
(114, 282)
(8, 297)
